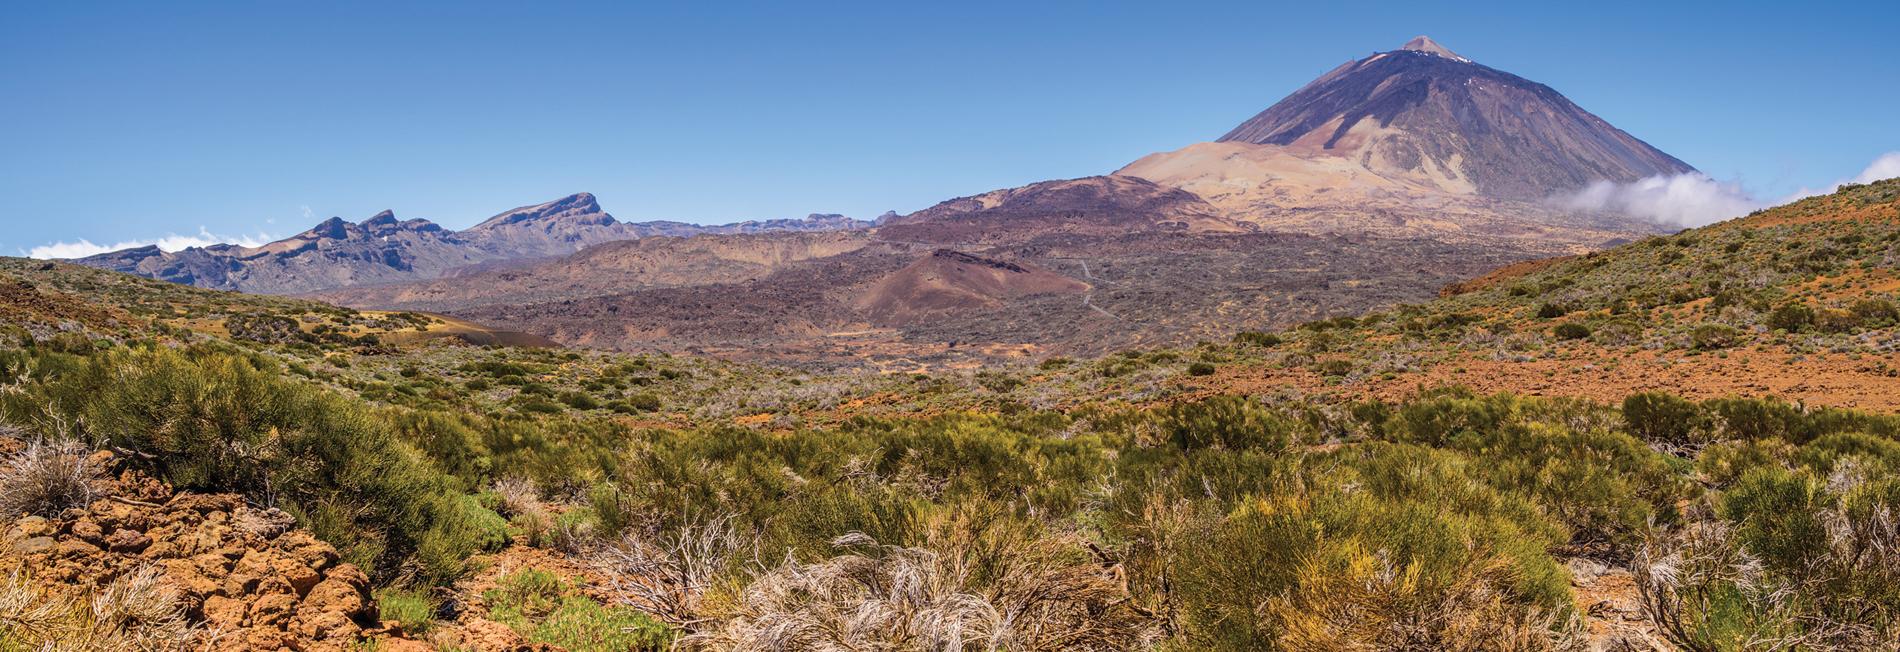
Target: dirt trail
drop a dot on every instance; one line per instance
(1088, 298)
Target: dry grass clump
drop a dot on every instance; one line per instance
(668, 574)
(967, 591)
(137, 612)
(518, 500)
(516, 497)
(46, 478)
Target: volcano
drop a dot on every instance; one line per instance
(1423, 106)
(1421, 133)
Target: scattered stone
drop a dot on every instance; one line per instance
(404, 645)
(483, 635)
(127, 541)
(35, 526)
(224, 613)
(86, 529)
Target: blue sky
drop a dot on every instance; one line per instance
(130, 121)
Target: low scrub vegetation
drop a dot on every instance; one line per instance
(1443, 522)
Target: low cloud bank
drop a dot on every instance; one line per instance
(1694, 199)
(169, 242)
(1691, 199)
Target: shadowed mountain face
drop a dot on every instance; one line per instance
(1423, 105)
(339, 254)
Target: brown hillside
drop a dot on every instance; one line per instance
(949, 281)
(1105, 205)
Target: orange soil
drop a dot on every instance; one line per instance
(1606, 375)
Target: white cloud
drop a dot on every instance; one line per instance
(1691, 199)
(1887, 166)
(169, 242)
(1694, 199)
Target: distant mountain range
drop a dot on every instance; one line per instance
(382, 249)
(1377, 183)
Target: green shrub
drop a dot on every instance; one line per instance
(414, 610)
(1335, 367)
(545, 609)
(1345, 562)
(1792, 317)
(644, 402)
(1666, 420)
(1434, 419)
(1876, 313)
(1755, 419)
(1709, 337)
(1571, 331)
(1725, 463)
(1200, 369)
(1226, 422)
(1777, 514)
(1257, 338)
(579, 401)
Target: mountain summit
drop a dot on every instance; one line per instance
(1427, 45)
(578, 208)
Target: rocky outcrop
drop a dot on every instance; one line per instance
(245, 575)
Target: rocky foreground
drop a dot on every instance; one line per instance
(143, 567)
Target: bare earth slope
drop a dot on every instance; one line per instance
(949, 281)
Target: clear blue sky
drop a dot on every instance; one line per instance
(129, 121)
